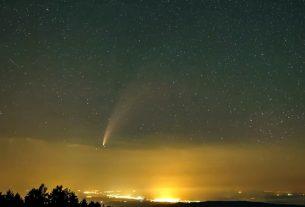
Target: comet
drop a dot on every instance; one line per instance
(108, 131)
(128, 101)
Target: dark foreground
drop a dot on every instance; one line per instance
(227, 204)
(203, 204)
(64, 197)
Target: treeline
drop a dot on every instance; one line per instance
(39, 197)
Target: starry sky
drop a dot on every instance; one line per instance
(202, 83)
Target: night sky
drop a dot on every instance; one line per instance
(198, 97)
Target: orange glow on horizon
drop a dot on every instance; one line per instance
(158, 173)
(166, 200)
(165, 194)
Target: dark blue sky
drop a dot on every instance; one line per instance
(206, 71)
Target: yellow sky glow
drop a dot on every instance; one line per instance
(194, 173)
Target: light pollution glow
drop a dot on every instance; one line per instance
(166, 200)
(128, 197)
(193, 173)
(111, 194)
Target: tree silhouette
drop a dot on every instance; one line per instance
(18, 202)
(37, 197)
(83, 203)
(59, 197)
(1, 198)
(72, 199)
(10, 199)
(94, 204)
